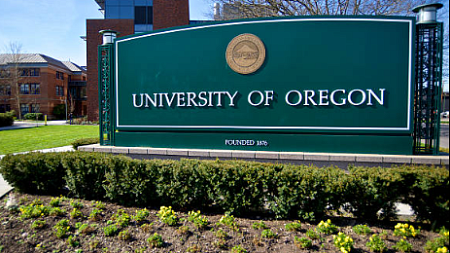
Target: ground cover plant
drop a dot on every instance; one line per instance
(42, 137)
(133, 229)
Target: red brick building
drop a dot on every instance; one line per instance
(38, 83)
(127, 17)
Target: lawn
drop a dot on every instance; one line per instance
(20, 140)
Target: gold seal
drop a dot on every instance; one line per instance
(245, 53)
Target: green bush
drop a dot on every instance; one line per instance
(39, 173)
(85, 173)
(237, 187)
(85, 141)
(34, 116)
(59, 111)
(373, 190)
(6, 119)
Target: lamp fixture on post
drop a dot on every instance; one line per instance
(426, 14)
(108, 36)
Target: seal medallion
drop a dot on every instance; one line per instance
(245, 53)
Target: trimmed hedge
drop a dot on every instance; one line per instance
(84, 141)
(286, 191)
(6, 119)
(34, 116)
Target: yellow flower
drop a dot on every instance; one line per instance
(442, 250)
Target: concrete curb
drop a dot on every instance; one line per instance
(319, 159)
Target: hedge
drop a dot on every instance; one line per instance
(85, 141)
(34, 116)
(6, 119)
(285, 191)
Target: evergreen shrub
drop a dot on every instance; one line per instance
(237, 187)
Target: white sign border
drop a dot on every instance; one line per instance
(410, 82)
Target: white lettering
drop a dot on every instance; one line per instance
(372, 94)
(333, 101)
(134, 100)
(309, 94)
(323, 95)
(363, 99)
(299, 97)
(250, 97)
(269, 96)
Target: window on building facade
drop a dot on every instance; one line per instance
(143, 15)
(5, 108)
(24, 109)
(25, 88)
(35, 88)
(30, 72)
(35, 108)
(59, 75)
(60, 91)
(8, 90)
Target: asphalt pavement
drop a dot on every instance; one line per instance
(443, 141)
(30, 124)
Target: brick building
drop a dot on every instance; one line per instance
(127, 17)
(38, 83)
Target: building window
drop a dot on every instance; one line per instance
(24, 109)
(35, 108)
(59, 75)
(2, 91)
(35, 88)
(143, 15)
(60, 91)
(4, 73)
(5, 108)
(24, 88)
(30, 72)
(8, 90)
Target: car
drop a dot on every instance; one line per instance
(444, 114)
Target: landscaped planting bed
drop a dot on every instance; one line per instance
(61, 224)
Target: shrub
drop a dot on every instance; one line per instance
(402, 246)
(34, 116)
(343, 243)
(238, 249)
(6, 119)
(38, 224)
(269, 234)
(167, 216)
(376, 244)
(111, 230)
(235, 187)
(62, 228)
(405, 230)
(373, 190)
(302, 242)
(259, 225)
(199, 221)
(141, 215)
(124, 235)
(228, 221)
(37, 173)
(59, 111)
(327, 227)
(155, 241)
(293, 226)
(362, 230)
(85, 141)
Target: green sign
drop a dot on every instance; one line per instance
(284, 81)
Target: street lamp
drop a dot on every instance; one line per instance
(426, 13)
(108, 36)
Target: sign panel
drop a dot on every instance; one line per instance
(326, 75)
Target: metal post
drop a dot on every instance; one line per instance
(429, 56)
(105, 75)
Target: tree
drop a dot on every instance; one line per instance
(232, 9)
(11, 73)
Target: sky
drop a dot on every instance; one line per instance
(54, 27)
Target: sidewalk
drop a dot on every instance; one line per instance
(5, 187)
(30, 124)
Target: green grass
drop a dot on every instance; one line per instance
(20, 140)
